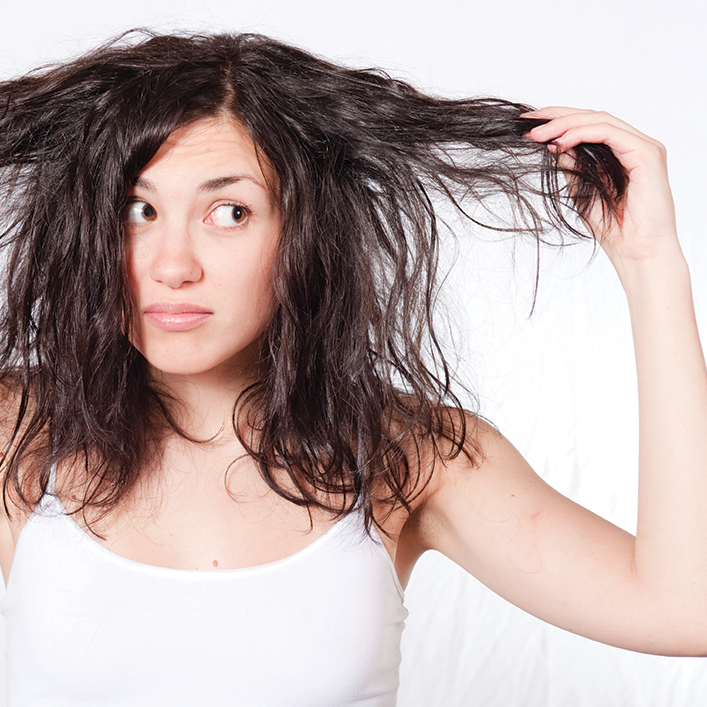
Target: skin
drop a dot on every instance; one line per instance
(499, 521)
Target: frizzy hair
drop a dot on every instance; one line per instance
(354, 376)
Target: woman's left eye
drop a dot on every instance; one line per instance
(228, 215)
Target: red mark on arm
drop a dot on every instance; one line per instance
(215, 563)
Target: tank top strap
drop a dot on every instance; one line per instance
(49, 503)
(51, 485)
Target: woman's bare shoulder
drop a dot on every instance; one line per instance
(483, 458)
(16, 409)
(10, 404)
(13, 403)
(471, 462)
(10, 523)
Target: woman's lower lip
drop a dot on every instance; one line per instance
(177, 322)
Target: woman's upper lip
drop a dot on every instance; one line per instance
(175, 308)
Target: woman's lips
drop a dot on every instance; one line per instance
(176, 317)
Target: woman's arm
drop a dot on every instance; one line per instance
(543, 552)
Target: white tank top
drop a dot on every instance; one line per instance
(85, 626)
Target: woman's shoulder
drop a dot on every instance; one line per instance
(455, 457)
(11, 517)
(456, 441)
(470, 458)
(476, 452)
(16, 410)
(10, 407)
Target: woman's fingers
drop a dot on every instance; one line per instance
(563, 119)
(647, 219)
(633, 150)
(571, 128)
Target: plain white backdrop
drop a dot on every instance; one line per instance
(560, 385)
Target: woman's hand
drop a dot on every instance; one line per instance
(645, 227)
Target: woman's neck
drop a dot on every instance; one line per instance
(204, 403)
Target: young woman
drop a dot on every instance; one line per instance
(229, 429)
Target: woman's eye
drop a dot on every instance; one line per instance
(228, 215)
(140, 212)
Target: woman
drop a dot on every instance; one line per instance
(230, 430)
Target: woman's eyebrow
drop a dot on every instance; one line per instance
(145, 184)
(220, 182)
(209, 185)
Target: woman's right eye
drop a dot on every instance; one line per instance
(140, 212)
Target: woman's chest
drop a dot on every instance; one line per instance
(210, 514)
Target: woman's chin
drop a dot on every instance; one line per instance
(232, 373)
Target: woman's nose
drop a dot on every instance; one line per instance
(174, 261)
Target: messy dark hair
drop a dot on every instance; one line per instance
(354, 377)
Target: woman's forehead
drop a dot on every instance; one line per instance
(214, 147)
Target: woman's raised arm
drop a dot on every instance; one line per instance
(538, 549)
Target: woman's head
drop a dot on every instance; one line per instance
(350, 363)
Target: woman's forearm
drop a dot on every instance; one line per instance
(671, 541)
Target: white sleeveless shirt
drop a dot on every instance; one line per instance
(85, 626)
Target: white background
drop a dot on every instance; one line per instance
(562, 384)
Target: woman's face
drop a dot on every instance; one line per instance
(202, 230)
